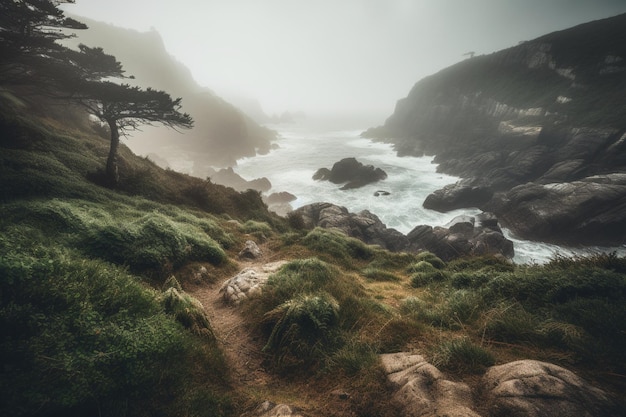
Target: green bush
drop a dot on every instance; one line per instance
(432, 259)
(420, 279)
(337, 245)
(188, 311)
(303, 329)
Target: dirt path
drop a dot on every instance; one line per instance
(242, 350)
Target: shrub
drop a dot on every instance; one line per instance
(188, 311)
(461, 355)
(337, 245)
(257, 228)
(302, 329)
(432, 259)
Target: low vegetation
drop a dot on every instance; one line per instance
(96, 320)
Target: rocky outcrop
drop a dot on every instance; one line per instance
(524, 388)
(279, 202)
(464, 235)
(592, 210)
(248, 282)
(421, 390)
(459, 195)
(250, 251)
(351, 173)
(229, 178)
(543, 112)
(364, 225)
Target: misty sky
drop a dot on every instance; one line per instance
(340, 56)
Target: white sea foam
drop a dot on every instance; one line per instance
(410, 180)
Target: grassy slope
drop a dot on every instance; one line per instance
(90, 326)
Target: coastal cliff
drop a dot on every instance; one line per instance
(547, 111)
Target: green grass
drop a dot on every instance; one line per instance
(85, 337)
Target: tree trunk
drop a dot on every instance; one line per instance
(111, 170)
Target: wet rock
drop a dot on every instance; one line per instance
(459, 195)
(462, 236)
(351, 173)
(589, 211)
(364, 225)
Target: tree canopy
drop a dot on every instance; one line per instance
(31, 55)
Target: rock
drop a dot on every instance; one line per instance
(270, 409)
(365, 226)
(462, 236)
(421, 390)
(459, 195)
(248, 282)
(531, 388)
(281, 197)
(351, 173)
(381, 192)
(230, 178)
(250, 251)
(590, 211)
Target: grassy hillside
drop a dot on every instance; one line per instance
(96, 315)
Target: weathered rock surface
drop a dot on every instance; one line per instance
(421, 390)
(364, 225)
(525, 388)
(248, 282)
(250, 251)
(464, 235)
(351, 173)
(531, 388)
(459, 195)
(592, 210)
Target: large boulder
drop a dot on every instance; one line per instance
(529, 388)
(462, 236)
(459, 195)
(421, 390)
(351, 173)
(364, 225)
(592, 210)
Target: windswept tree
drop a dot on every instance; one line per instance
(31, 55)
(124, 108)
(30, 31)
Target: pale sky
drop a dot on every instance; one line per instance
(336, 56)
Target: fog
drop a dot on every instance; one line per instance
(335, 57)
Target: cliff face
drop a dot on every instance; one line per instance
(550, 110)
(222, 133)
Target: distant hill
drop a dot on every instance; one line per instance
(222, 132)
(547, 111)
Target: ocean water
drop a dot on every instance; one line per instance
(302, 151)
